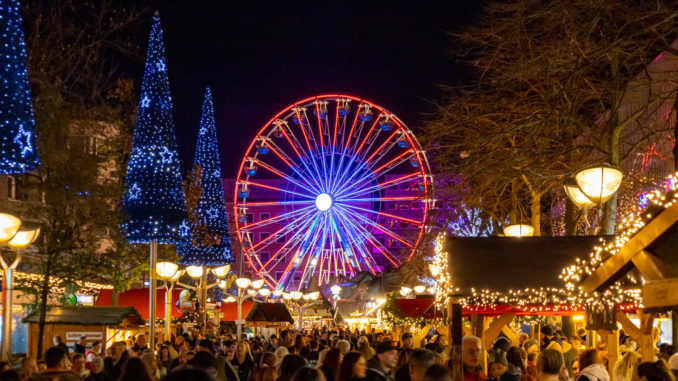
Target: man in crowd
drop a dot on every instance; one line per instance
(471, 350)
(382, 366)
(415, 368)
(58, 366)
(59, 343)
(81, 347)
(113, 365)
(406, 343)
(140, 343)
(78, 365)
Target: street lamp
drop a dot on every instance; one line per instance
(265, 292)
(21, 239)
(170, 273)
(405, 291)
(419, 289)
(575, 195)
(243, 284)
(200, 272)
(599, 183)
(519, 230)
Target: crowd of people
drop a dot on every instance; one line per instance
(340, 355)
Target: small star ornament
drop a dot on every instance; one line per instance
(145, 102)
(160, 66)
(134, 191)
(166, 155)
(23, 139)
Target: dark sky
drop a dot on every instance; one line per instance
(261, 56)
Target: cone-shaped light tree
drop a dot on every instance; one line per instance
(208, 243)
(18, 151)
(153, 203)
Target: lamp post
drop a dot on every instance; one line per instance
(302, 301)
(593, 185)
(11, 236)
(200, 272)
(519, 230)
(170, 273)
(243, 284)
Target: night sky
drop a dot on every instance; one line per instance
(261, 56)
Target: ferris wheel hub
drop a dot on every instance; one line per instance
(323, 202)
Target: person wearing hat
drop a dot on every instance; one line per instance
(407, 344)
(382, 366)
(223, 369)
(498, 369)
(549, 340)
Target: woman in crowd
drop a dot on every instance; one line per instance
(280, 354)
(29, 367)
(626, 368)
(135, 370)
(655, 371)
(331, 363)
(592, 368)
(353, 368)
(267, 361)
(290, 364)
(164, 359)
(242, 360)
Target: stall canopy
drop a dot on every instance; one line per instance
(269, 313)
(89, 315)
(138, 298)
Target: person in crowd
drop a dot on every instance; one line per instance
(257, 351)
(628, 344)
(134, 370)
(549, 340)
(116, 361)
(331, 362)
(665, 351)
(498, 367)
(272, 344)
(56, 339)
(178, 343)
(673, 364)
(344, 346)
(592, 368)
(164, 359)
(549, 365)
(470, 357)
(406, 350)
(516, 365)
(189, 374)
(313, 353)
(601, 346)
(437, 373)
(280, 354)
(571, 352)
(298, 348)
(308, 374)
(364, 348)
(81, 347)
(522, 338)
(352, 368)
(140, 343)
(96, 370)
(655, 371)
(626, 368)
(58, 366)
(242, 361)
(267, 361)
(151, 362)
(382, 366)
(91, 353)
(78, 365)
(290, 364)
(205, 360)
(29, 367)
(415, 369)
(531, 367)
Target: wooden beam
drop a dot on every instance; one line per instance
(512, 335)
(646, 343)
(478, 327)
(651, 266)
(629, 328)
(495, 327)
(612, 350)
(640, 241)
(454, 311)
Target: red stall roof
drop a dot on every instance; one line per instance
(230, 310)
(138, 298)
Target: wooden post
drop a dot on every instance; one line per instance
(646, 340)
(612, 351)
(456, 364)
(478, 328)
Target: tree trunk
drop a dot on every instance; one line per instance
(513, 213)
(570, 217)
(114, 298)
(609, 219)
(535, 211)
(44, 295)
(675, 136)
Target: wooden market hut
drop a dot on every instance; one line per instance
(257, 314)
(651, 251)
(73, 322)
(502, 269)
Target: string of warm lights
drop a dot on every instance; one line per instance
(441, 272)
(84, 287)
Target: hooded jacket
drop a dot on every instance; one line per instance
(593, 372)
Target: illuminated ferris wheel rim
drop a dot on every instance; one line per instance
(323, 201)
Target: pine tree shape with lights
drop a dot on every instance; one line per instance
(18, 151)
(208, 243)
(153, 203)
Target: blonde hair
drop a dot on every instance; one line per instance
(625, 369)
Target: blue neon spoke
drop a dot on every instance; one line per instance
(281, 190)
(375, 241)
(309, 234)
(374, 223)
(363, 251)
(277, 218)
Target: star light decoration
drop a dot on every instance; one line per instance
(154, 204)
(211, 207)
(18, 153)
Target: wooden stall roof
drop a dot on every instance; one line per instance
(509, 263)
(270, 313)
(88, 315)
(138, 298)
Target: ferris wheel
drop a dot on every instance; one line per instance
(332, 185)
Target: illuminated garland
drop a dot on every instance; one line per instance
(23, 279)
(627, 228)
(441, 272)
(395, 318)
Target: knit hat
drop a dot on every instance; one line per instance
(406, 336)
(386, 346)
(547, 330)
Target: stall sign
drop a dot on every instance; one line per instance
(91, 336)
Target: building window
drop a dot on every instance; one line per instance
(404, 225)
(250, 218)
(264, 257)
(297, 276)
(392, 205)
(264, 216)
(278, 275)
(404, 206)
(11, 187)
(405, 186)
(263, 236)
(416, 205)
(281, 239)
